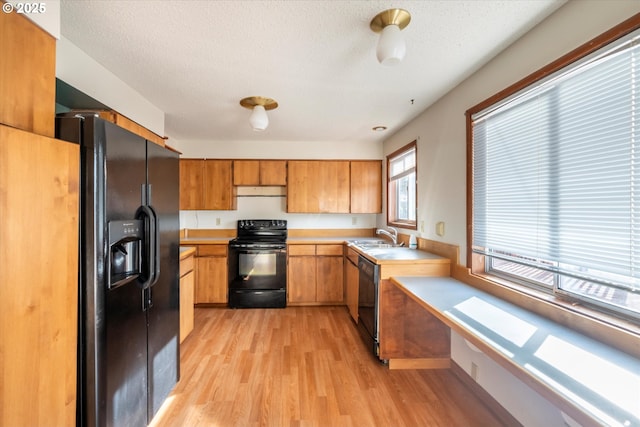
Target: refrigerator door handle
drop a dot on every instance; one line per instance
(156, 247)
(149, 246)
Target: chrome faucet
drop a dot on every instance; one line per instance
(393, 235)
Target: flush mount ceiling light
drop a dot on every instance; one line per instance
(391, 46)
(259, 119)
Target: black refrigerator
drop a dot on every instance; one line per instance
(128, 318)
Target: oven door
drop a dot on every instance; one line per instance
(257, 268)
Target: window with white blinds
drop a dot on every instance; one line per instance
(556, 180)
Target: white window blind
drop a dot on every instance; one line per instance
(556, 176)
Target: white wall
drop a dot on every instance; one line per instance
(440, 130)
(441, 135)
(275, 207)
(76, 68)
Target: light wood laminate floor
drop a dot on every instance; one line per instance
(304, 366)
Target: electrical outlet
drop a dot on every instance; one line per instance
(217, 221)
(422, 226)
(474, 371)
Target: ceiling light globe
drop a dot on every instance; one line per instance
(259, 119)
(391, 46)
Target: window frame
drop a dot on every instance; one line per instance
(479, 263)
(392, 220)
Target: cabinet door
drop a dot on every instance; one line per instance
(246, 172)
(28, 71)
(329, 279)
(187, 284)
(366, 186)
(273, 172)
(211, 280)
(38, 278)
(317, 186)
(301, 279)
(219, 192)
(191, 182)
(351, 279)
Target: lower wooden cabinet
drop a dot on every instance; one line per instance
(187, 292)
(315, 274)
(351, 278)
(211, 274)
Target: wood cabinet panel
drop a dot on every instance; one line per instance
(329, 279)
(404, 324)
(366, 186)
(212, 250)
(219, 192)
(336, 250)
(315, 186)
(301, 277)
(187, 291)
(38, 278)
(206, 185)
(315, 278)
(27, 75)
(260, 172)
(191, 183)
(246, 172)
(211, 280)
(352, 276)
(302, 250)
(273, 172)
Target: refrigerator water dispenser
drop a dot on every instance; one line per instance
(125, 246)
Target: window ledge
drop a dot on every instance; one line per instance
(609, 329)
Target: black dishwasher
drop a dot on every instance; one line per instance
(368, 304)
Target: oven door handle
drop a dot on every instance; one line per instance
(257, 251)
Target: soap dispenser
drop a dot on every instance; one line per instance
(413, 243)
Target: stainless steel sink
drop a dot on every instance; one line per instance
(374, 244)
(368, 242)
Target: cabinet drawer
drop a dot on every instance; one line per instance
(329, 250)
(302, 249)
(212, 250)
(186, 265)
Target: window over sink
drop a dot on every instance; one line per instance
(401, 190)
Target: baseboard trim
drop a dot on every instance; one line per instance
(425, 363)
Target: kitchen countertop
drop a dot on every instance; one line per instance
(590, 376)
(186, 251)
(217, 240)
(398, 255)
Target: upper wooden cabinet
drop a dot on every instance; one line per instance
(191, 184)
(206, 185)
(318, 186)
(27, 75)
(366, 186)
(313, 186)
(260, 172)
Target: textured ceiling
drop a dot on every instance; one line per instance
(195, 60)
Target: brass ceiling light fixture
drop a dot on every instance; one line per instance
(259, 106)
(391, 45)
